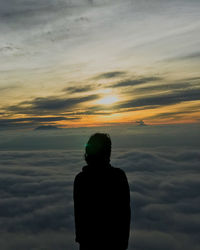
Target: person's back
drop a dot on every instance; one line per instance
(101, 205)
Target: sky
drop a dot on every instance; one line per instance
(71, 68)
(174, 137)
(83, 63)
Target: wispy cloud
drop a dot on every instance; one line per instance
(8, 88)
(111, 74)
(32, 122)
(36, 119)
(49, 104)
(163, 87)
(178, 112)
(163, 99)
(134, 82)
(191, 56)
(79, 89)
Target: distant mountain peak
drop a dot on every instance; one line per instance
(46, 127)
(141, 123)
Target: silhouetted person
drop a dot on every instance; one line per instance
(101, 200)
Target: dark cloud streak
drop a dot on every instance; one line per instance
(79, 89)
(49, 104)
(134, 82)
(163, 87)
(191, 56)
(36, 119)
(181, 112)
(59, 103)
(111, 74)
(163, 99)
(31, 122)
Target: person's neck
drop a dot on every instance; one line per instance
(100, 165)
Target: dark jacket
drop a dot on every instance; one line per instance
(102, 208)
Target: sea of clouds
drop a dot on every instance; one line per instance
(36, 205)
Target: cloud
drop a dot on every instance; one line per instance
(23, 15)
(36, 119)
(190, 56)
(8, 88)
(45, 240)
(134, 82)
(163, 87)
(163, 99)
(53, 103)
(93, 112)
(28, 122)
(49, 104)
(111, 74)
(179, 112)
(14, 8)
(79, 89)
(36, 198)
(195, 78)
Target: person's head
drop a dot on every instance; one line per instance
(98, 149)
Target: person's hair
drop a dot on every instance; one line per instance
(98, 149)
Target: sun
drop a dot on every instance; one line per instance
(107, 100)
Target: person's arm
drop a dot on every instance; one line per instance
(77, 207)
(127, 209)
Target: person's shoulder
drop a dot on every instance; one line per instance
(118, 171)
(81, 173)
(119, 175)
(78, 177)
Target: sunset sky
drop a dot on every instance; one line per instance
(76, 63)
(129, 68)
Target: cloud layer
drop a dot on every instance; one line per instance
(36, 198)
